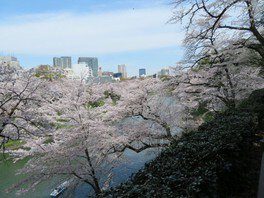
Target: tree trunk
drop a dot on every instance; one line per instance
(95, 185)
(232, 98)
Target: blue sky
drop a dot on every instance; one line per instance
(132, 32)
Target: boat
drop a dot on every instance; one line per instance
(60, 189)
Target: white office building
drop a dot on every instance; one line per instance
(91, 62)
(82, 70)
(164, 72)
(10, 61)
(122, 69)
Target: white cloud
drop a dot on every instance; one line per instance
(89, 33)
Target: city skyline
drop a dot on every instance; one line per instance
(77, 67)
(138, 34)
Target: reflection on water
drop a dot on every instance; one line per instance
(131, 163)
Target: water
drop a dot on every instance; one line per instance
(131, 163)
(8, 178)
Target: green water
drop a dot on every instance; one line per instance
(132, 162)
(8, 177)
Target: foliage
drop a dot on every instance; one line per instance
(255, 103)
(164, 77)
(115, 97)
(205, 61)
(62, 120)
(49, 73)
(203, 112)
(60, 126)
(123, 79)
(98, 103)
(14, 144)
(208, 116)
(200, 110)
(202, 163)
(49, 140)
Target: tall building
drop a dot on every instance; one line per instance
(142, 72)
(164, 72)
(66, 62)
(57, 62)
(91, 62)
(82, 70)
(9, 61)
(122, 69)
(63, 62)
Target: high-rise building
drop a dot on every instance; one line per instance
(66, 62)
(82, 70)
(9, 61)
(63, 62)
(56, 62)
(122, 69)
(142, 72)
(164, 72)
(91, 62)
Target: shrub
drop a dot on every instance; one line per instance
(98, 103)
(14, 144)
(255, 103)
(49, 140)
(114, 97)
(200, 110)
(203, 163)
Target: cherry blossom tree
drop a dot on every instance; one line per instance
(82, 142)
(22, 98)
(91, 126)
(213, 25)
(148, 117)
(95, 125)
(220, 86)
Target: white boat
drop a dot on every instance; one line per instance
(60, 189)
